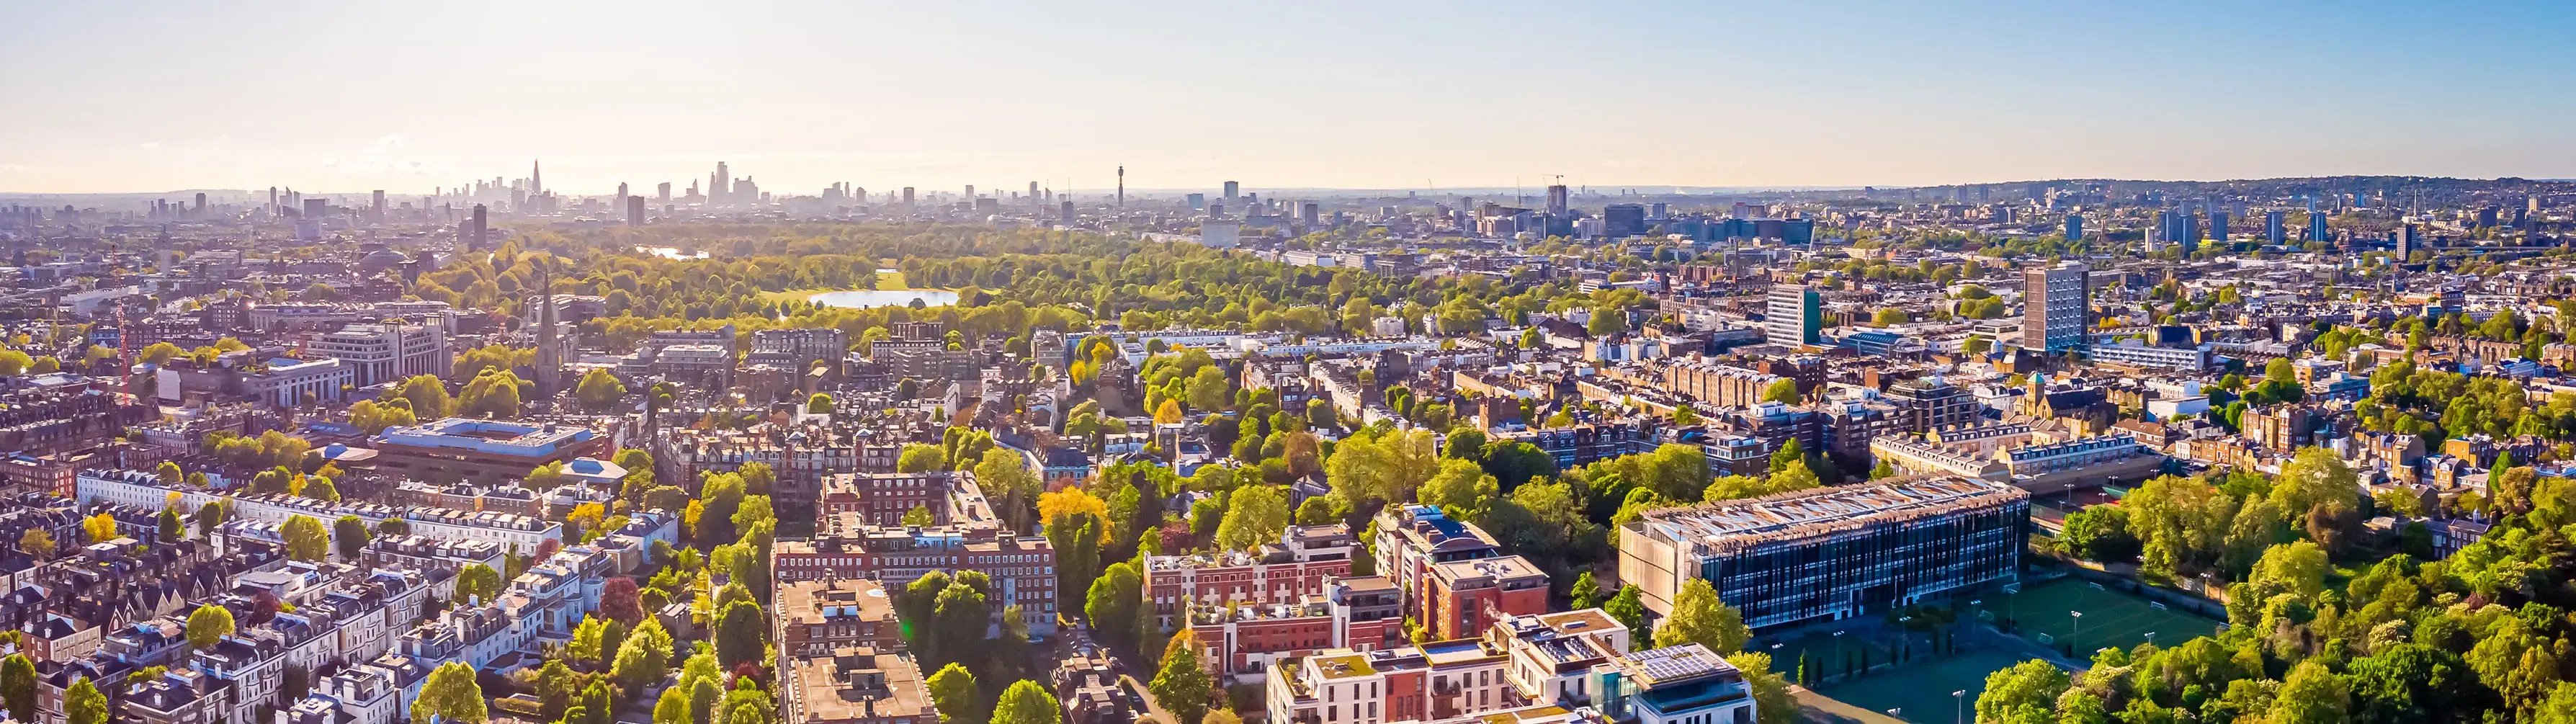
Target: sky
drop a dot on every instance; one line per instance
(411, 96)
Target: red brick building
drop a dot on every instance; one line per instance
(1286, 572)
(816, 617)
(1022, 568)
(882, 498)
(1466, 597)
(1239, 642)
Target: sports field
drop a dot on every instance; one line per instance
(1824, 656)
(2110, 618)
(1920, 692)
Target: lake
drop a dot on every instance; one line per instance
(864, 298)
(670, 252)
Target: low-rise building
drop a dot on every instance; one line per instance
(1833, 552)
(853, 685)
(1463, 598)
(458, 448)
(813, 618)
(1281, 573)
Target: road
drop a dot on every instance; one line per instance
(1151, 706)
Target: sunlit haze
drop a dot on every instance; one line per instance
(413, 96)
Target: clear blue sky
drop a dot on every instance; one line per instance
(409, 95)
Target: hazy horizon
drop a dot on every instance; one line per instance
(1345, 96)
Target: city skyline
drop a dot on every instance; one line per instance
(345, 99)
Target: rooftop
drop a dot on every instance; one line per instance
(1817, 510)
(487, 436)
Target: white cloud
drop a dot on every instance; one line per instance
(149, 146)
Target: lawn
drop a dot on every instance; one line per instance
(2111, 618)
(1921, 692)
(1825, 656)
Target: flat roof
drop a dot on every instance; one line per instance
(1816, 510)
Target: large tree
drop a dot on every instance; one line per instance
(351, 534)
(1026, 702)
(451, 693)
(18, 687)
(477, 583)
(1462, 488)
(38, 544)
(599, 389)
(208, 625)
(953, 693)
(306, 539)
(1114, 603)
(84, 704)
(1629, 607)
(1388, 467)
(1006, 479)
(741, 633)
(1771, 698)
(673, 707)
(2311, 694)
(1254, 515)
(1700, 618)
(921, 458)
(1183, 685)
(621, 600)
(644, 657)
(2025, 692)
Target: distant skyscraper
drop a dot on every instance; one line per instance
(907, 196)
(970, 193)
(1556, 200)
(1033, 193)
(1307, 213)
(1122, 186)
(479, 225)
(621, 191)
(375, 208)
(2316, 222)
(1065, 211)
(2054, 306)
(1794, 314)
(1196, 201)
(536, 180)
(2074, 227)
(2217, 225)
(1233, 189)
(720, 190)
(634, 211)
(665, 193)
(1623, 220)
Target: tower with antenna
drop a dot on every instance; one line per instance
(1122, 186)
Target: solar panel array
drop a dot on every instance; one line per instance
(1815, 506)
(1677, 663)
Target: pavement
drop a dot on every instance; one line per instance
(1815, 708)
(1151, 705)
